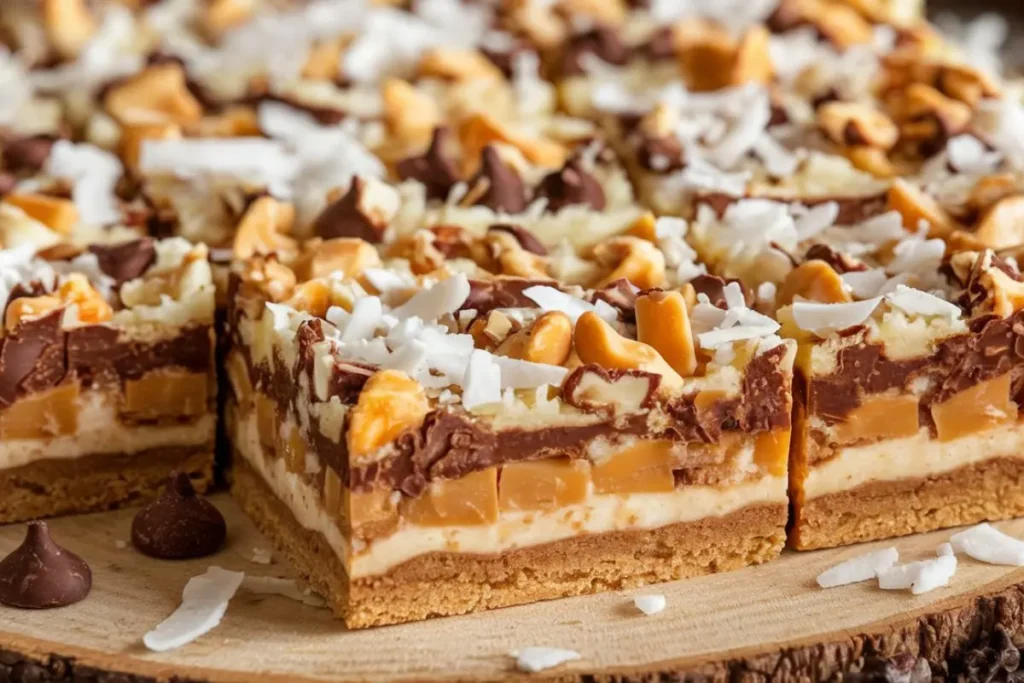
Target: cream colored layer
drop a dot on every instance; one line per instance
(99, 431)
(911, 457)
(600, 514)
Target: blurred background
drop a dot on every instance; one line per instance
(1001, 23)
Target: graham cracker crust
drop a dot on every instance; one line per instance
(447, 584)
(986, 491)
(101, 481)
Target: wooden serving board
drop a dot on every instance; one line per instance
(763, 623)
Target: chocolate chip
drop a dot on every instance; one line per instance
(179, 524)
(39, 574)
(507, 292)
(505, 190)
(660, 44)
(342, 218)
(525, 238)
(126, 261)
(435, 171)
(661, 155)
(32, 358)
(572, 185)
(603, 42)
(27, 155)
(841, 262)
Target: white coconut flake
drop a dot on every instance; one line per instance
(94, 174)
(521, 374)
(650, 604)
(967, 154)
(261, 556)
(816, 219)
(534, 659)
(919, 577)
(430, 304)
(860, 568)
(865, 284)
(551, 299)
(255, 160)
(915, 302)
(363, 321)
(944, 549)
(483, 380)
(818, 318)
(203, 603)
(987, 544)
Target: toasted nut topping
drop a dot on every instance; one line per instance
(324, 60)
(632, 258)
(871, 160)
(410, 115)
(69, 25)
(489, 331)
(851, 123)
(842, 26)
(1002, 225)
(273, 280)
(538, 20)
(313, 297)
(1005, 295)
(660, 122)
(59, 215)
(234, 122)
(813, 280)
(547, 340)
(608, 12)
(92, 307)
(915, 206)
(663, 322)
(219, 16)
(521, 263)
(480, 130)
(989, 190)
(157, 90)
(965, 83)
(29, 308)
(644, 227)
(390, 403)
(263, 228)
(133, 134)
(598, 343)
(926, 114)
(350, 256)
(458, 65)
(712, 60)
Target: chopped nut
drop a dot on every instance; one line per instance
(409, 114)
(323, 63)
(158, 90)
(662, 321)
(880, 417)
(349, 256)
(480, 130)
(594, 388)
(219, 16)
(69, 24)
(92, 307)
(538, 21)
(547, 340)
(455, 64)
(973, 410)
(1002, 225)
(313, 297)
(42, 415)
(915, 206)
(925, 114)
(390, 403)
(965, 83)
(548, 484)
(491, 330)
(166, 393)
(606, 12)
(470, 500)
(263, 228)
(871, 160)
(842, 26)
(643, 468)
(989, 190)
(812, 280)
(854, 124)
(712, 60)
(59, 215)
(598, 343)
(521, 263)
(632, 258)
(237, 121)
(275, 281)
(661, 121)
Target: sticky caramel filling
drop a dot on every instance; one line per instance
(543, 484)
(976, 409)
(166, 393)
(643, 468)
(880, 417)
(470, 500)
(43, 415)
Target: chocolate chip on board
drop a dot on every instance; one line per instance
(39, 574)
(179, 524)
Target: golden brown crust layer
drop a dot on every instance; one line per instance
(990, 490)
(97, 482)
(444, 584)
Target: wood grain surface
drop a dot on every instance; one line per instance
(763, 623)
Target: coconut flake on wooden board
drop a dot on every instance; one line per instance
(534, 659)
(860, 568)
(919, 577)
(650, 604)
(987, 544)
(203, 604)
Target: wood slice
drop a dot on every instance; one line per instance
(768, 623)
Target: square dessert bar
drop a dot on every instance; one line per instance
(432, 444)
(107, 382)
(907, 404)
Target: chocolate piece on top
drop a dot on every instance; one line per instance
(179, 524)
(434, 170)
(602, 42)
(525, 238)
(126, 261)
(28, 154)
(571, 185)
(505, 190)
(344, 218)
(39, 574)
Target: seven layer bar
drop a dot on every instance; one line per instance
(410, 472)
(106, 375)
